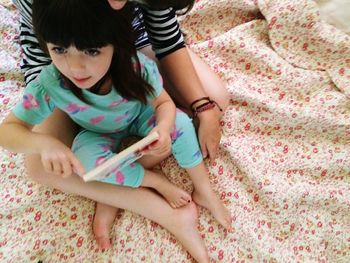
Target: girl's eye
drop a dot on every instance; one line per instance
(59, 50)
(93, 52)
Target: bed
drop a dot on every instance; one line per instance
(283, 168)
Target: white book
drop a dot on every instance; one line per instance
(122, 159)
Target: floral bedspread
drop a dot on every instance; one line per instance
(283, 168)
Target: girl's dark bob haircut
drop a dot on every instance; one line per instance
(93, 24)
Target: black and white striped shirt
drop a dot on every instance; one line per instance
(160, 28)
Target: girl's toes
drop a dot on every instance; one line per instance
(103, 242)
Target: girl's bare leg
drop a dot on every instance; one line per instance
(175, 196)
(204, 196)
(181, 222)
(104, 214)
(103, 221)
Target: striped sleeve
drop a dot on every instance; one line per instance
(163, 31)
(34, 59)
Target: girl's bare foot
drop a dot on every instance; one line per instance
(210, 201)
(103, 221)
(175, 196)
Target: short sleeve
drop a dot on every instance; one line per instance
(34, 58)
(163, 30)
(35, 105)
(150, 73)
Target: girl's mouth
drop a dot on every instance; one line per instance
(81, 80)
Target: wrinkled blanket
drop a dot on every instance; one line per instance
(283, 167)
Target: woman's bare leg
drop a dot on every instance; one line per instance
(181, 222)
(204, 195)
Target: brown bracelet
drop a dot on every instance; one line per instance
(200, 99)
(205, 106)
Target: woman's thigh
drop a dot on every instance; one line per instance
(214, 87)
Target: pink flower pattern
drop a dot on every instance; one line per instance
(283, 163)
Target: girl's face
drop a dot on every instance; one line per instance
(117, 4)
(83, 67)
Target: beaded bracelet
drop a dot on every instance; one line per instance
(200, 99)
(205, 106)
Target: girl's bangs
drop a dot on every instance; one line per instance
(77, 26)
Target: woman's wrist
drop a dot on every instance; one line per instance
(203, 104)
(208, 116)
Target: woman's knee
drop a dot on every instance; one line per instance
(214, 87)
(224, 99)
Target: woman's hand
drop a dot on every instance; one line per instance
(58, 159)
(209, 133)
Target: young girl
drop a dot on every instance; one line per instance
(99, 80)
(187, 78)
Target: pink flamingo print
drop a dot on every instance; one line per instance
(29, 102)
(105, 147)
(100, 160)
(119, 178)
(96, 119)
(176, 134)
(122, 117)
(117, 103)
(152, 121)
(73, 108)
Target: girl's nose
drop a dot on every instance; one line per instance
(75, 63)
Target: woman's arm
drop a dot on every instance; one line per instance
(178, 70)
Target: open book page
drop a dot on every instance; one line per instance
(120, 160)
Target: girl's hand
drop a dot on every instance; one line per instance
(58, 159)
(209, 133)
(162, 146)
